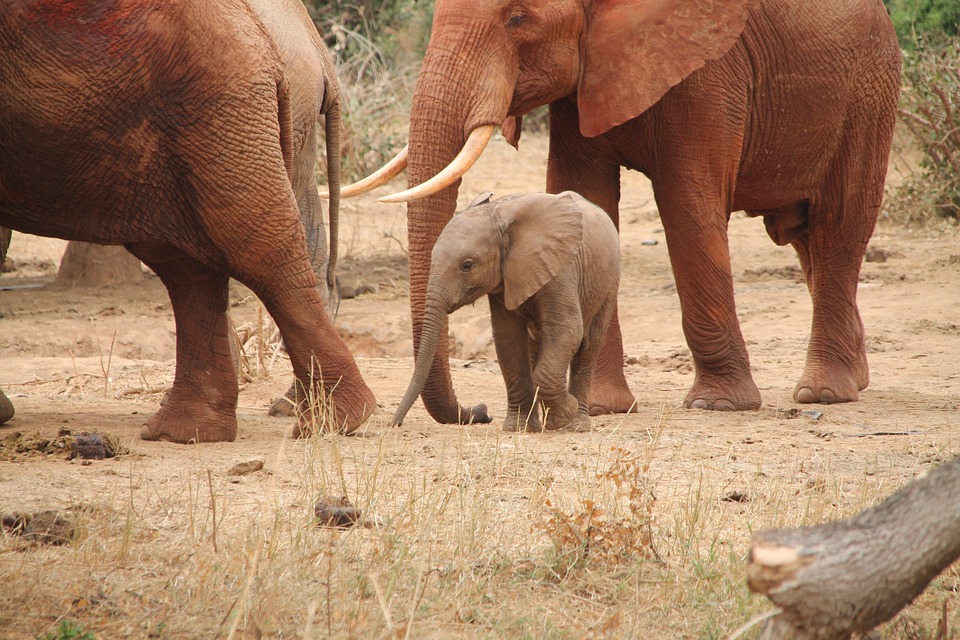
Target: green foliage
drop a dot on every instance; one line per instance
(68, 630)
(930, 109)
(923, 20)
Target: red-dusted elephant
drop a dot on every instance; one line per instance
(186, 132)
(782, 108)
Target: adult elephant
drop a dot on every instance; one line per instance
(177, 130)
(782, 108)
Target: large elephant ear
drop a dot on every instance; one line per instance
(543, 235)
(635, 50)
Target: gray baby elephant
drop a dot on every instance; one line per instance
(550, 266)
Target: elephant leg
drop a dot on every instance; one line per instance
(6, 408)
(700, 258)
(839, 226)
(560, 339)
(331, 394)
(584, 362)
(511, 340)
(311, 215)
(201, 406)
(588, 166)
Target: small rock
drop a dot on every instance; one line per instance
(336, 512)
(245, 468)
(735, 496)
(45, 527)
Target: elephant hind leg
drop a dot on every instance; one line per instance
(201, 406)
(836, 368)
(831, 253)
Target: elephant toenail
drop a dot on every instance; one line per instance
(827, 396)
(805, 395)
(699, 403)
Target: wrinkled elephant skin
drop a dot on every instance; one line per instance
(169, 128)
(782, 108)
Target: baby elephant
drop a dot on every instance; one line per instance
(550, 266)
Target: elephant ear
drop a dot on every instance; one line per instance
(542, 238)
(636, 50)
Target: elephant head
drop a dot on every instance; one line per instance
(513, 246)
(489, 62)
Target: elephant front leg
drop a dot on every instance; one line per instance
(559, 343)
(700, 258)
(201, 406)
(513, 353)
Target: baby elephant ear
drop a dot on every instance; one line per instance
(543, 235)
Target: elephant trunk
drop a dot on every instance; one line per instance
(441, 119)
(434, 327)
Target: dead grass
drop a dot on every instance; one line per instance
(482, 535)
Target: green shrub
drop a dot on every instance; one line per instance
(923, 20)
(930, 109)
(377, 46)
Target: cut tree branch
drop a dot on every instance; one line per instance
(848, 576)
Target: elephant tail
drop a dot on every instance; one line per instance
(332, 127)
(285, 120)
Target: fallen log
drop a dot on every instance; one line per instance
(845, 577)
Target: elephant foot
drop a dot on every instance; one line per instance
(286, 405)
(580, 424)
(832, 383)
(830, 392)
(522, 420)
(187, 421)
(343, 412)
(6, 408)
(562, 415)
(723, 397)
(611, 398)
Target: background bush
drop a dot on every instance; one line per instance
(929, 108)
(377, 46)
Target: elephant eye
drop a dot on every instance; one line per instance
(516, 20)
(467, 265)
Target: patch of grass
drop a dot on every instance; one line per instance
(68, 630)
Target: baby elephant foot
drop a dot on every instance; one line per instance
(564, 415)
(522, 420)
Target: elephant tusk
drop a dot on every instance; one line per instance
(381, 176)
(470, 153)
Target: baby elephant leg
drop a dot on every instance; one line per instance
(558, 345)
(513, 353)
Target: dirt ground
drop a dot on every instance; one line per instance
(84, 360)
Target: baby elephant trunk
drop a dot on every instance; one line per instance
(433, 323)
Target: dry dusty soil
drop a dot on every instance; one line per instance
(467, 531)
